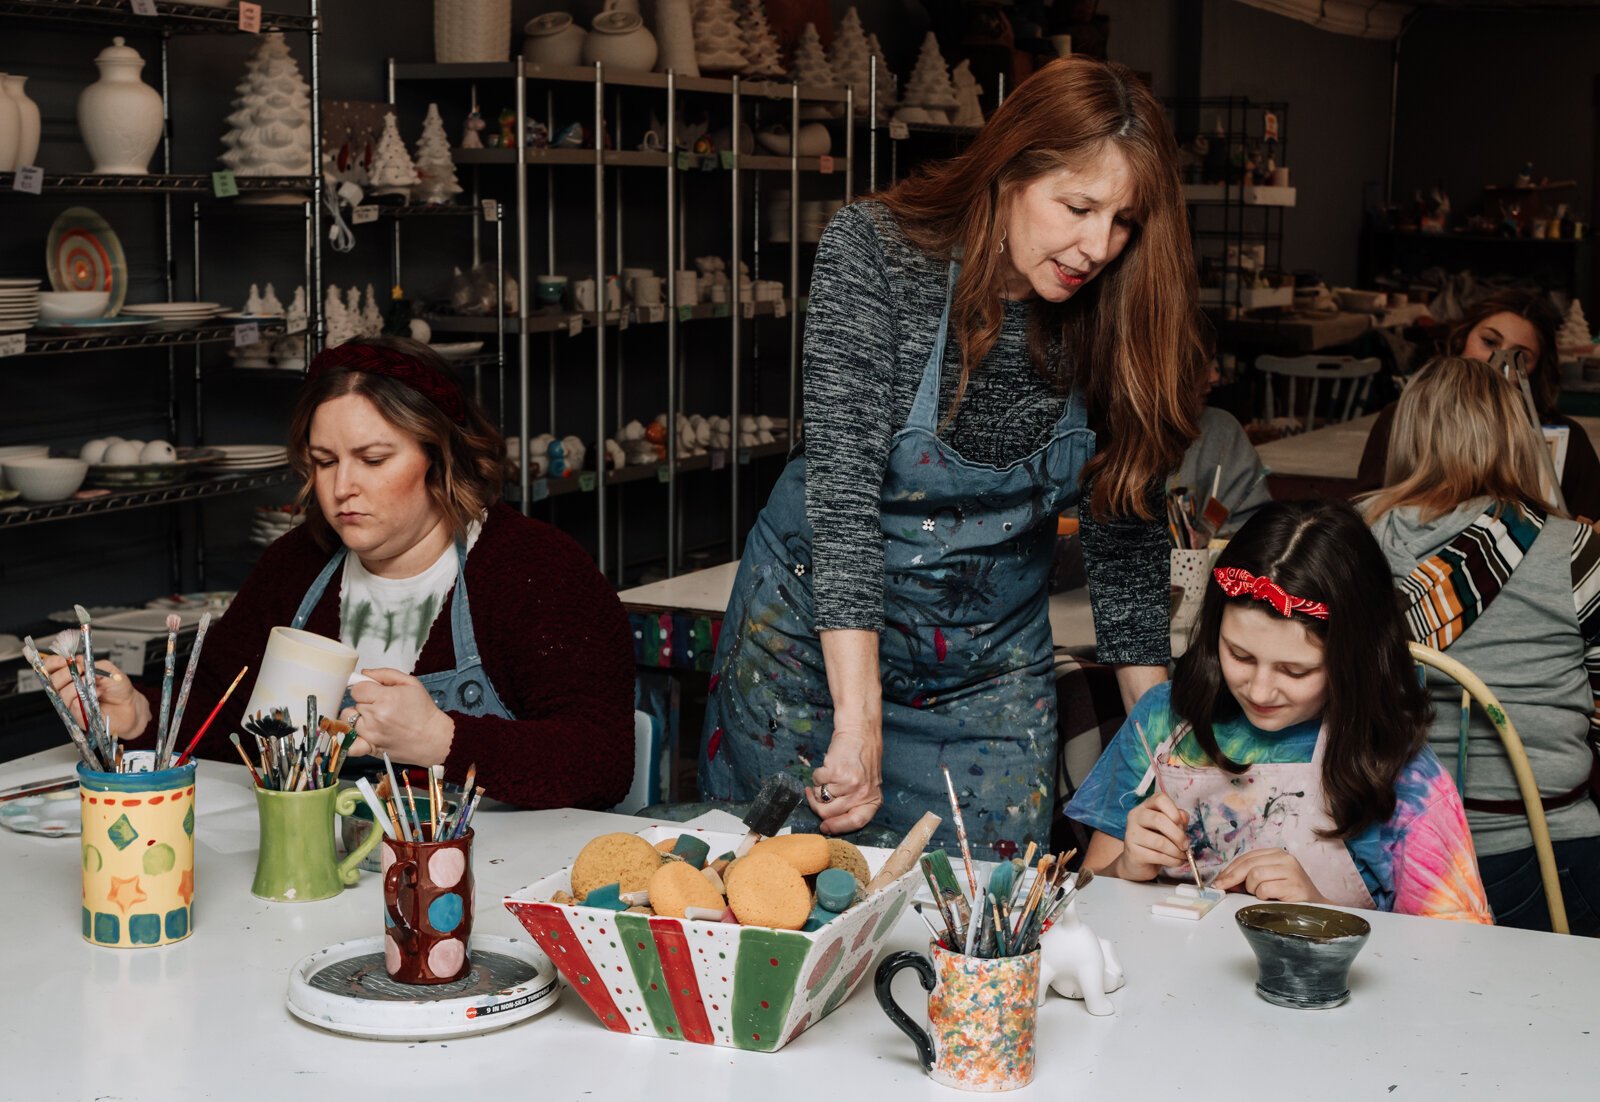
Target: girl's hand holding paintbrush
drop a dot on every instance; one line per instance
(1156, 838)
(127, 712)
(1269, 874)
(398, 716)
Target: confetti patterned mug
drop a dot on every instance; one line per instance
(981, 1017)
(427, 900)
(138, 856)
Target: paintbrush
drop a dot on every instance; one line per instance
(466, 790)
(939, 900)
(198, 735)
(164, 753)
(64, 644)
(233, 737)
(1162, 785)
(411, 803)
(780, 794)
(435, 799)
(38, 788)
(92, 705)
(947, 892)
(174, 621)
(961, 832)
(466, 816)
(939, 939)
(85, 751)
(386, 794)
(394, 789)
(380, 817)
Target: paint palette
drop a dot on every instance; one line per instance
(346, 989)
(1188, 901)
(53, 814)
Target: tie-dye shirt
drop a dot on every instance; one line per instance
(1419, 862)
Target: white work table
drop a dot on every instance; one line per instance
(1438, 1010)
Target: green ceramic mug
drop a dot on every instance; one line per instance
(296, 862)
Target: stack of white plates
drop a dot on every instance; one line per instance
(19, 304)
(269, 524)
(248, 457)
(175, 315)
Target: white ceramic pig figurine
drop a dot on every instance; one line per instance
(1075, 963)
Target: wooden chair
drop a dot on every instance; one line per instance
(1472, 688)
(1354, 375)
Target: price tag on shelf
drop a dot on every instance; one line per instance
(366, 212)
(574, 325)
(491, 210)
(538, 489)
(747, 309)
(247, 334)
(710, 163)
(586, 481)
(143, 7)
(656, 313)
(685, 162)
(727, 159)
(685, 313)
(13, 344)
(249, 17)
(825, 164)
(899, 131)
(720, 310)
(719, 459)
(663, 473)
(780, 308)
(294, 322)
(624, 319)
(29, 178)
(223, 185)
(744, 457)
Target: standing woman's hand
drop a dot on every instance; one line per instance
(853, 774)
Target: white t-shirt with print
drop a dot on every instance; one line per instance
(387, 620)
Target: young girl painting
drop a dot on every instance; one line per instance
(1292, 739)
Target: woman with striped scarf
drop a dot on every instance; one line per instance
(1488, 570)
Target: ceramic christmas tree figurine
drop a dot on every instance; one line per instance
(341, 327)
(434, 164)
(270, 127)
(371, 316)
(811, 68)
(392, 170)
(352, 310)
(269, 305)
(762, 57)
(1575, 330)
(968, 111)
(718, 42)
(851, 58)
(888, 83)
(929, 86)
(252, 302)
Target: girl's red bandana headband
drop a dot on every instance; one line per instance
(1236, 582)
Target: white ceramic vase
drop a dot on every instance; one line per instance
(28, 144)
(119, 115)
(10, 133)
(675, 32)
(471, 30)
(554, 39)
(298, 664)
(620, 40)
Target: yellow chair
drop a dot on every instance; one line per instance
(1472, 688)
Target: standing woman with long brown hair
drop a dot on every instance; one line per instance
(1007, 334)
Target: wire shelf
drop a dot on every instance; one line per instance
(170, 18)
(156, 184)
(120, 501)
(40, 345)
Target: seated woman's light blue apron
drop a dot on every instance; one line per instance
(965, 652)
(466, 688)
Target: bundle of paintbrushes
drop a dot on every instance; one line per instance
(293, 758)
(1003, 920)
(96, 742)
(395, 809)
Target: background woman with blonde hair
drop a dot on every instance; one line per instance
(1488, 571)
(1003, 336)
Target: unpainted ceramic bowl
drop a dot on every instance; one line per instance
(1304, 953)
(41, 478)
(72, 305)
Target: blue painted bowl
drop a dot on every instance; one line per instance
(1303, 952)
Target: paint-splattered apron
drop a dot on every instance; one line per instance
(1272, 805)
(965, 653)
(466, 688)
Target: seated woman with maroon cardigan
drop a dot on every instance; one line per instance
(488, 638)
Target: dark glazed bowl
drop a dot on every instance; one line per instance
(1304, 952)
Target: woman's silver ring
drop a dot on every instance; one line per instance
(824, 795)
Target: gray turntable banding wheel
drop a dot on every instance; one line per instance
(364, 977)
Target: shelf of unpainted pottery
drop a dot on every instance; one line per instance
(118, 501)
(556, 321)
(39, 344)
(627, 78)
(620, 158)
(169, 18)
(156, 183)
(643, 472)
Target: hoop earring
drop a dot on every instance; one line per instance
(1001, 248)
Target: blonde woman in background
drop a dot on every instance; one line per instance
(1491, 573)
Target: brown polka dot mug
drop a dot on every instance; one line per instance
(428, 903)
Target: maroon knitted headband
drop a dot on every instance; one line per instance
(377, 359)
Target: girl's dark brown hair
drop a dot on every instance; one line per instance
(1127, 337)
(467, 463)
(1377, 713)
(1535, 308)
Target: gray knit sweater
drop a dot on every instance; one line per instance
(872, 322)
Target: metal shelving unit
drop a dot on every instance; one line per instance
(120, 501)
(169, 21)
(729, 171)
